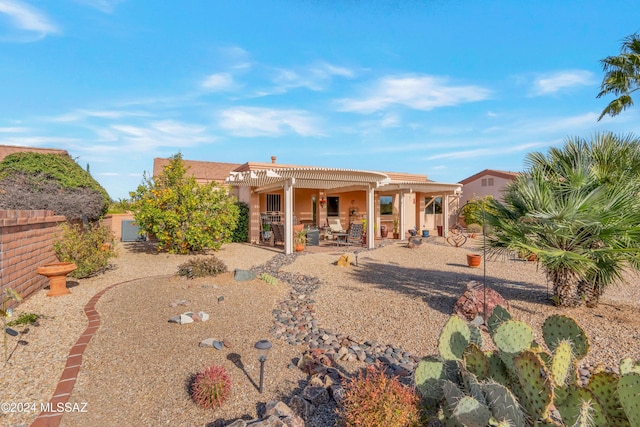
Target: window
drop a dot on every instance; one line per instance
(273, 203)
(386, 205)
(333, 206)
(433, 205)
(484, 182)
(490, 182)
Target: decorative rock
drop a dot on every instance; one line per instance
(238, 423)
(278, 408)
(344, 261)
(203, 316)
(471, 303)
(315, 395)
(414, 242)
(337, 393)
(181, 319)
(220, 299)
(243, 275)
(302, 407)
(179, 302)
(218, 345)
(207, 342)
(293, 421)
(271, 421)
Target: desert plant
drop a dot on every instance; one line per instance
(85, 247)
(622, 76)
(374, 399)
(202, 267)
(25, 319)
(474, 228)
(301, 237)
(241, 233)
(518, 383)
(269, 279)
(396, 223)
(211, 387)
(183, 215)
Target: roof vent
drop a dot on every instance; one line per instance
(273, 159)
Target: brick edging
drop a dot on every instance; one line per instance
(67, 381)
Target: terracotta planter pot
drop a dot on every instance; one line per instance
(473, 260)
(396, 236)
(57, 274)
(299, 248)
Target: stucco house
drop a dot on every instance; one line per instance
(6, 150)
(489, 182)
(314, 195)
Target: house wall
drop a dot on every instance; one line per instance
(114, 221)
(26, 242)
(474, 189)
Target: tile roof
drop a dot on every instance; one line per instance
(201, 170)
(492, 172)
(6, 150)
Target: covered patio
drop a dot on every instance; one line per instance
(313, 195)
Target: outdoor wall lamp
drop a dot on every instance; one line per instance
(323, 202)
(263, 347)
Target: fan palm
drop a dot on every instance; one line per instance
(578, 209)
(622, 76)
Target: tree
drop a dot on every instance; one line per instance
(51, 181)
(622, 76)
(578, 209)
(472, 210)
(183, 215)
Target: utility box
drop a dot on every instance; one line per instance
(130, 231)
(313, 237)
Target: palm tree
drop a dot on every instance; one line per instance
(578, 209)
(622, 76)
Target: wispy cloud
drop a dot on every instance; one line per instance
(106, 6)
(417, 92)
(316, 77)
(27, 19)
(552, 83)
(13, 129)
(80, 115)
(164, 133)
(219, 82)
(256, 121)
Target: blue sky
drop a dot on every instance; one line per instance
(443, 88)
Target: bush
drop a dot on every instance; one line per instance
(211, 387)
(373, 399)
(241, 233)
(25, 319)
(202, 267)
(86, 248)
(474, 228)
(183, 215)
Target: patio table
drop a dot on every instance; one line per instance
(341, 238)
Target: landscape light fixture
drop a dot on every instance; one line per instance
(263, 347)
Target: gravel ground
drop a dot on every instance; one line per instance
(137, 366)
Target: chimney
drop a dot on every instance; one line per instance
(273, 159)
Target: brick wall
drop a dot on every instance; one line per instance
(26, 242)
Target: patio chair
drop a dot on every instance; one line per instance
(355, 233)
(335, 225)
(278, 232)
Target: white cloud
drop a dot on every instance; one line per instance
(555, 82)
(315, 77)
(79, 115)
(219, 82)
(27, 18)
(106, 6)
(255, 121)
(13, 129)
(417, 92)
(463, 154)
(165, 133)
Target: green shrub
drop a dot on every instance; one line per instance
(202, 267)
(90, 248)
(25, 319)
(373, 399)
(211, 387)
(241, 233)
(474, 228)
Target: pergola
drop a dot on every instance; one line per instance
(287, 179)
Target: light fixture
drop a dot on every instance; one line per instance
(263, 347)
(323, 202)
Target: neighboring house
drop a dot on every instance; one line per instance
(5, 150)
(488, 182)
(312, 195)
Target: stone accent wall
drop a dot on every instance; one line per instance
(26, 242)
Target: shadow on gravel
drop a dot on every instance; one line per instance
(441, 289)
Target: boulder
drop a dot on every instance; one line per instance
(243, 275)
(471, 303)
(344, 261)
(414, 242)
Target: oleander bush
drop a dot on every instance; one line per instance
(374, 399)
(241, 233)
(202, 267)
(89, 247)
(211, 387)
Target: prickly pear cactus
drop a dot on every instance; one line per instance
(559, 328)
(430, 374)
(471, 413)
(503, 404)
(511, 338)
(476, 361)
(629, 394)
(627, 365)
(499, 315)
(476, 336)
(581, 408)
(535, 390)
(604, 386)
(454, 339)
(561, 363)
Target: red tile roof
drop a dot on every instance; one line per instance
(492, 172)
(202, 171)
(6, 150)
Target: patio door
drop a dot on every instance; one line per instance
(333, 206)
(432, 212)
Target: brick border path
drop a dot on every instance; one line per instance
(67, 381)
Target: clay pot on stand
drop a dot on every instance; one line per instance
(57, 274)
(473, 260)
